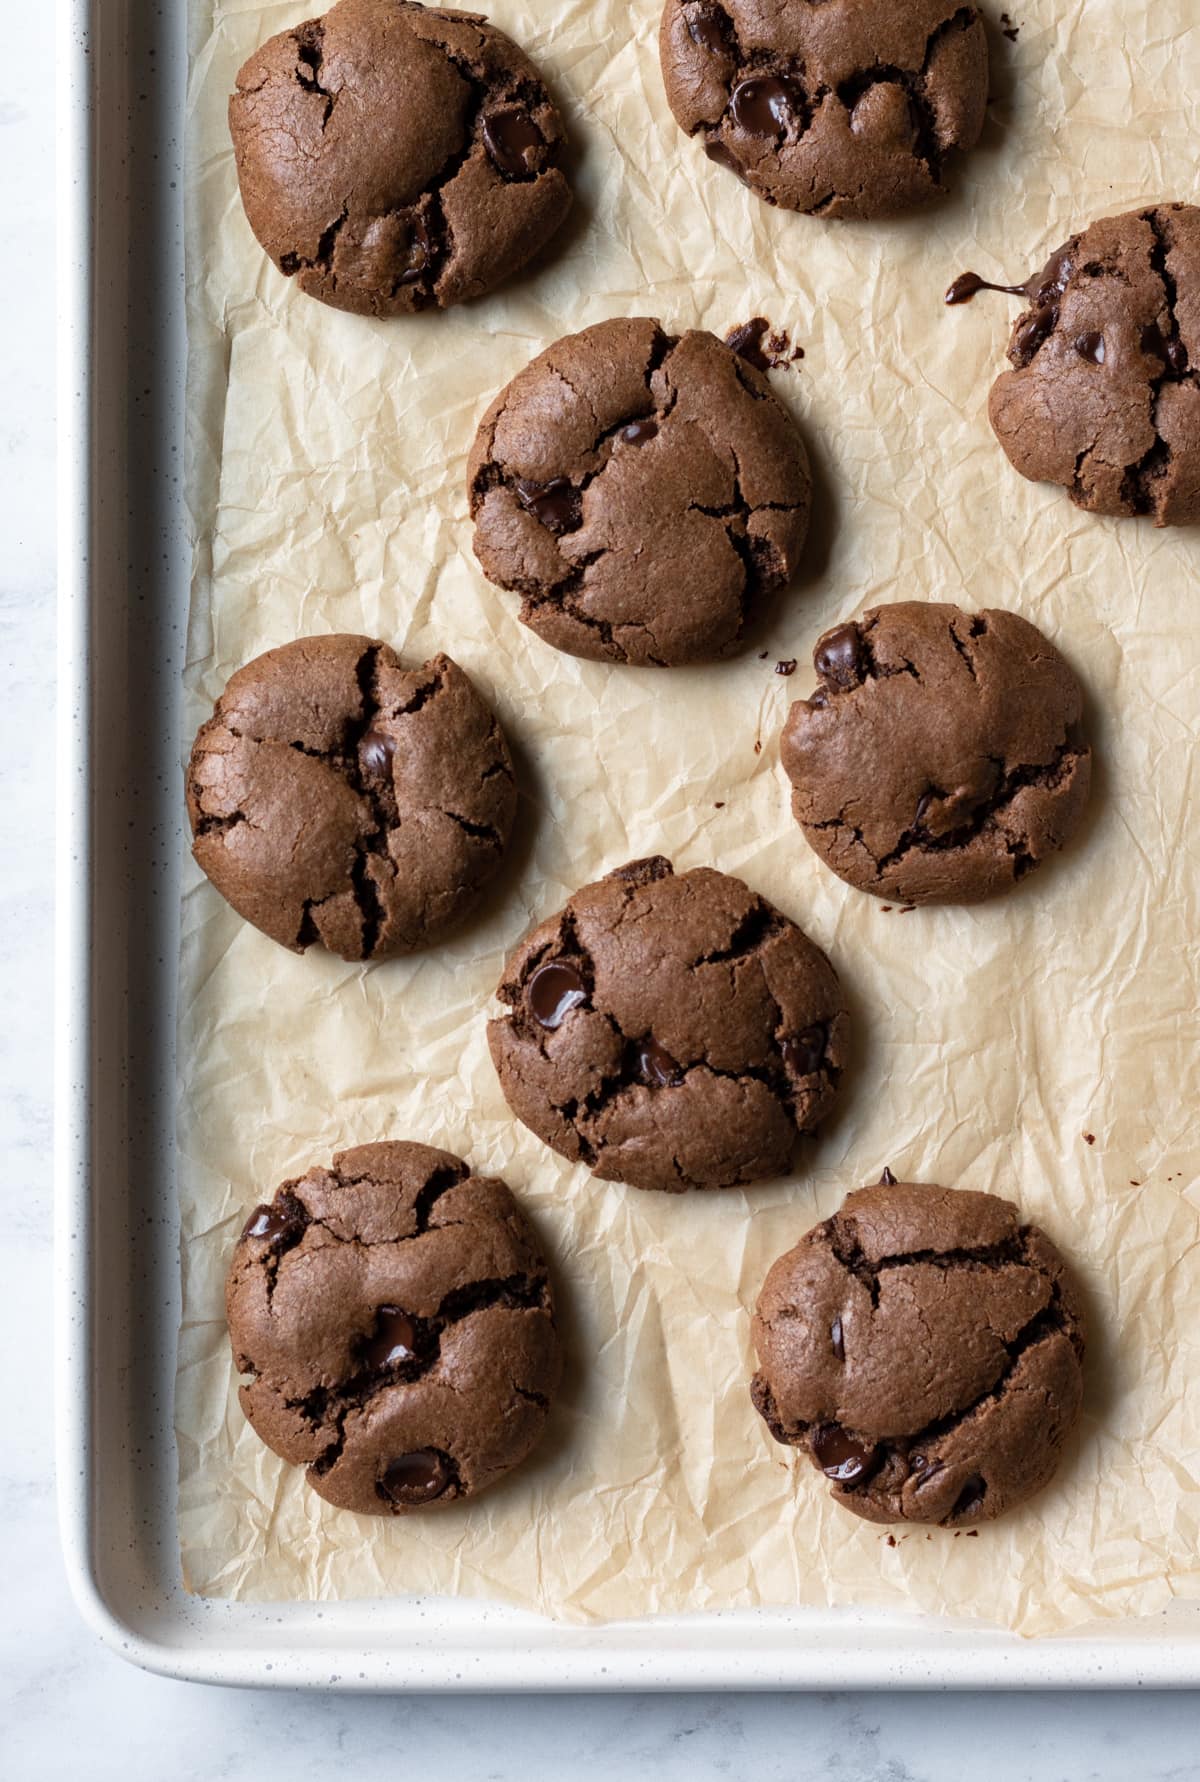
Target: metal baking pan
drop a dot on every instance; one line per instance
(124, 570)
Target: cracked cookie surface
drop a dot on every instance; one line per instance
(394, 157)
(1104, 397)
(924, 1347)
(641, 491)
(337, 797)
(670, 1031)
(395, 1316)
(848, 108)
(940, 757)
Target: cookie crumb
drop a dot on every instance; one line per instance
(761, 345)
(787, 666)
(1010, 30)
(1089, 1138)
(758, 747)
(1134, 1184)
(906, 909)
(720, 805)
(891, 1540)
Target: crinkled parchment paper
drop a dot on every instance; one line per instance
(326, 487)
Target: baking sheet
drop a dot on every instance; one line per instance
(325, 483)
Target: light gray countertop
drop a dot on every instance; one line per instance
(68, 1708)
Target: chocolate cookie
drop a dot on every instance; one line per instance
(1103, 396)
(395, 1316)
(940, 758)
(849, 108)
(925, 1348)
(337, 796)
(640, 490)
(394, 157)
(670, 1032)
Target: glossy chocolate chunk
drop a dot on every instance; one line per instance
(416, 1478)
(394, 1340)
(838, 656)
(837, 1339)
(747, 342)
(841, 1457)
(1034, 331)
(724, 157)
(805, 1051)
(970, 1497)
(766, 105)
(657, 1065)
(706, 27)
(417, 249)
(273, 1222)
(376, 752)
(555, 503)
(552, 992)
(513, 140)
(887, 1178)
(1090, 346)
(638, 432)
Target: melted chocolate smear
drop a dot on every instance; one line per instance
(1040, 287)
(512, 139)
(968, 284)
(805, 1051)
(705, 27)
(657, 1065)
(415, 1478)
(787, 666)
(271, 1223)
(1091, 347)
(840, 1457)
(555, 503)
(835, 1337)
(638, 432)
(376, 751)
(887, 1179)
(838, 656)
(395, 1339)
(766, 105)
(969, 1498)
(552, 992)
(418, 247)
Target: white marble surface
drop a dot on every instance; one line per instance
(69, 1708)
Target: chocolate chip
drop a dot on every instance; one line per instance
(1035, 331)
(716, 151)
(273, 1222)
(787, 666)
(416, 1478)
(887, 1178)
(746, 341)
(838, 656)
(417, 246)
(376, 751)
(805, 1051)
(766, 105)
(395, 1339)
(552, 992)
(512, 139)
(657, 1065)
(969, 1498)
(638, 432)
(1172, 351)
(1091, 346)
(817, 700)
(841, 1457)
(706, 27)
(835, 1337)
(555, 503)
